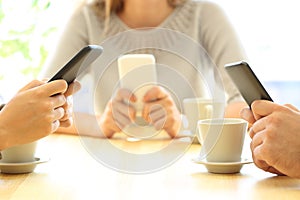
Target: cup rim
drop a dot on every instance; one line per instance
(202, 99)
(221, 121)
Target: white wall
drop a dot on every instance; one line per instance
(270, 32)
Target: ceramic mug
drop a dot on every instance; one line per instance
(223, 139)
(19, 154)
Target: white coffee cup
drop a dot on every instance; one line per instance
(19, 154)
(201, 108)
(223, 139)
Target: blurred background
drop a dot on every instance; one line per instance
(28, 32)
(268, 30)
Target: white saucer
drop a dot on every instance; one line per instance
(223, 167)
(19, 168)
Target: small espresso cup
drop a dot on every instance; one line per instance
(19, 154)
(201, 108)
(223, 139)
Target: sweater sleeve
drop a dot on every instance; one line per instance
(222, 44)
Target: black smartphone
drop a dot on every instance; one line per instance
(247, 82)
(80, 62)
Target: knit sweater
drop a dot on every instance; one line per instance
(202, 22)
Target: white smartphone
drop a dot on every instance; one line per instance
(137, 72)
(247, 82)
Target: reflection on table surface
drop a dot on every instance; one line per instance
(73, 173)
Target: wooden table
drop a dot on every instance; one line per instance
(72, 173)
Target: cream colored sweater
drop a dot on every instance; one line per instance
(202, 21)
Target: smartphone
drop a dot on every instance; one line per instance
(247, 82)
(137, 72)
(80, 62)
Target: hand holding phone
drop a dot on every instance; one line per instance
(246, 81)
(137, 72)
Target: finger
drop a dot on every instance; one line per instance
(155, 93)
(32, 84)
(111, 127)
(58, 113)
(121, 121)
(251, 133)
(258, 126)
(160, 123)
(67, 115)
(247, 115)
(258, 158)
(258, 161)
(55, 125)
(68, 106)
(58, 101)
(73, 88)
(125, 94)
(114, 127)
(146, 110)
(151, 108)
(274, 171)
(165, 104)
(54, 87)
(261, 108)
(261, 164)
(257, 140)
(158, 112)
(292, 107)
(66, 123)
(124, 109)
